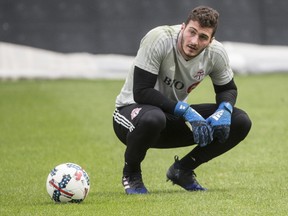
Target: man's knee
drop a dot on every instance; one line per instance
(154, 119)
(241, 123)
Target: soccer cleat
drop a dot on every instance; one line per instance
(134, 185)
(184, 178)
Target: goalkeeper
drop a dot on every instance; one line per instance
(152, 109)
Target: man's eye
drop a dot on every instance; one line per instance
(192, 32)
(203, 37)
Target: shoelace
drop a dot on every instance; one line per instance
(135, 181)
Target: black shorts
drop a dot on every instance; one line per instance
(175, 134)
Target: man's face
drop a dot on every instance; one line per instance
(193, 39)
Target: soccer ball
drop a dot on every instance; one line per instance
(68, 182)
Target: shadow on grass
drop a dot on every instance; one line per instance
(181, 191)
(108, 196)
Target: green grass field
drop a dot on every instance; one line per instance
(45, 123)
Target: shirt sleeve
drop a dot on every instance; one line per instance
(151, 52)
(144, 92)
(221, 72)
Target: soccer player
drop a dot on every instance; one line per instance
(152, 109)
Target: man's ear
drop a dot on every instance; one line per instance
(183, 26)
(212, 39)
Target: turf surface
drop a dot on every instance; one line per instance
(45, 123)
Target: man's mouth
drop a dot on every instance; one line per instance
(191, 47)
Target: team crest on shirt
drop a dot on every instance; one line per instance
(135, 112)
(199, 75)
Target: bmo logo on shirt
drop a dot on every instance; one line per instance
(179, 85)
(175, 83)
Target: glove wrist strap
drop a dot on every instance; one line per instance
(181, 108)
(227, 106)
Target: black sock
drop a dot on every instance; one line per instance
(189, 162)
(131, 169)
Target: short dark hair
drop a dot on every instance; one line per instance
(206, 16)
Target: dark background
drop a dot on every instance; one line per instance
(116, 26)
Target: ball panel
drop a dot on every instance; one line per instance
(68, 182)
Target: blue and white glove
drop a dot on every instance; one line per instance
(220, 121)
(202, 132)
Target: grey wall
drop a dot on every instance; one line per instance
(116, 26)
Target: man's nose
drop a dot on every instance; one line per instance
(194, 40)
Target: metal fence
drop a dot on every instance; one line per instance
(116, 26)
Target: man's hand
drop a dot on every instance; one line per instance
(202, 132)
(220, 121)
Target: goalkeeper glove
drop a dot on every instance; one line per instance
(220, 121)
(202, 132)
